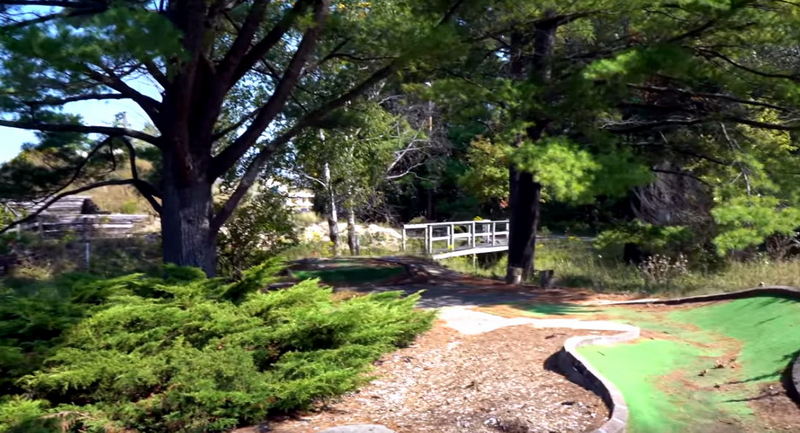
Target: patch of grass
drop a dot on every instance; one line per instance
(45, 259)
(351, 275)
(577, 265)
(121, 199)
(322, 249)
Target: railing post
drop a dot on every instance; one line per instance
(494, 230)
(87, 248)
(451, 245)
(403, 240)
(429, 240)
(472, 238)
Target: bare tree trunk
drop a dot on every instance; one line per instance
(524, 202)
(352, 235)
(187, 236)
(429, 204)
(333, 217)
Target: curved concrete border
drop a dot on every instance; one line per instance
(794, 379)
(572, 364)
(785, 291)
(579, 370)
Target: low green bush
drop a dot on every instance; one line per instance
(183, 353)
(33, 316)
(665, 240)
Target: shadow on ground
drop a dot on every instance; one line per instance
(442, 287)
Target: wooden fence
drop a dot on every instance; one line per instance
(69, 217)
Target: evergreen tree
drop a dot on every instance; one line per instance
(234, 83)
(577, 97)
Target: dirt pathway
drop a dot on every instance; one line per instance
(445, 288)
(450, 382)
(487, 372)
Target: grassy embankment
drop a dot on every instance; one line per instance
(576, 264)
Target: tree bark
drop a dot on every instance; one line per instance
(187, 236)
(333, 217)
(352, 236)
(524, 201)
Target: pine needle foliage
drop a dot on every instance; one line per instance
(185, 353)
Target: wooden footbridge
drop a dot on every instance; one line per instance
(464, 238)
(453, 239)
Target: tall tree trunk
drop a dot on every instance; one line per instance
(187, 236)
(429, 203)
(524, 201)
(352, 236)
(333, 217)
(525, 192)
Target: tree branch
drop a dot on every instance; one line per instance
(726, 59)
(708, 95)
(230, 63)
(85, 129)
(763, 125)
(262, 47)
(146, 189)
(693, 32)
(156, 73)
(223, 162)
(148, 104)
(67, 100)
(83, 164)
(234, 126)
(275, 104)
(643, 125)
(680, 173)
(249, 177)
(311, 178)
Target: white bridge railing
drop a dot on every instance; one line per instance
(458, 238)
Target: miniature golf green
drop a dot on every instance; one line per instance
(350, 274)
(696, 368)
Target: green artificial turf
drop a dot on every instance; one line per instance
(351, 274)
(635, 369)
(768, 327)
(557, 309)
(669, 380)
